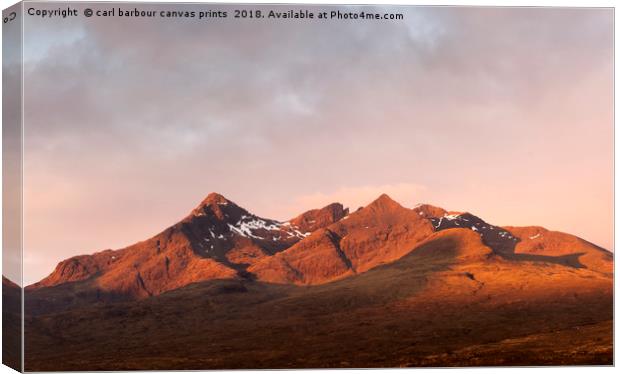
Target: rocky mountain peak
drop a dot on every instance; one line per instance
(429, 211)
(318, 218)
(384, 202)
(219, 207)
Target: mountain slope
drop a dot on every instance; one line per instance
(530, 243)
(448, 299)
(379, 233)
(11, 324)
(539, 241)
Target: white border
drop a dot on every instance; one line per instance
(574, 3)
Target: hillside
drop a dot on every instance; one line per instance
(384, 286)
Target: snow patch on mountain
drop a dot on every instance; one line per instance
(252, 226)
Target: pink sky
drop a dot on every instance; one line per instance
(506, 113)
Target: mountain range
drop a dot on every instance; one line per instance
(399, 286)
(221, 240)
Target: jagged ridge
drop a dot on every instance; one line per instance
(219, 240)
